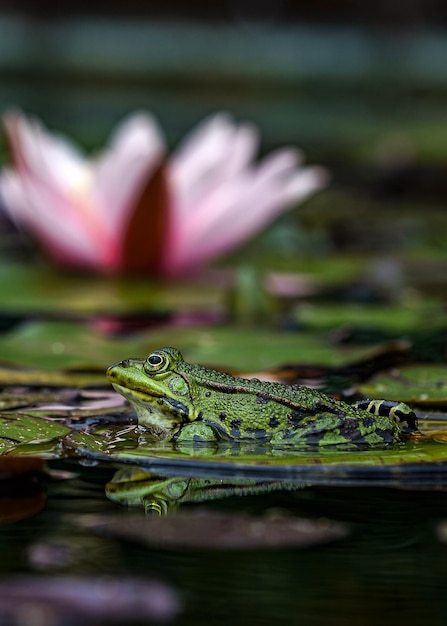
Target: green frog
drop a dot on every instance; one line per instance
(136, 486)
(176, 400)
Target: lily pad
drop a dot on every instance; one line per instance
(29, 429)
(398, 318)
(58, 344)
(423, 385)
(40, 289)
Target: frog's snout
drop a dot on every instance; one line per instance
(111, 370)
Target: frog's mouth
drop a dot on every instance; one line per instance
(152, 414)
(136, 393)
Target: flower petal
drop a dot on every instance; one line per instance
(214, 153)
(240, 208)
(145, 233)
(59, 224)
(134, 153)
(49, 158)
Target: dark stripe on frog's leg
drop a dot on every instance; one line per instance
(402, 413)
(296, 417)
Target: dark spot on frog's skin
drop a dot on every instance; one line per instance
(295, 417)
(368, 422)
(314, 438)
(261, 399)
(235, 423)
(179, 407)
(356, 437)
(207, 394)
(222, 416)
(348, 428)
(258, 433)
(387, 434)
(273, 422)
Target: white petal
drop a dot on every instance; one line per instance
(50, 158)
(13, 198)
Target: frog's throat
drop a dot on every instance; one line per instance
(150, 415)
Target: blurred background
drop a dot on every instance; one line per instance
(361, 88)
(351, 83)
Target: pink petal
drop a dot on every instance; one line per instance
(67, 231)
(134, 153)
(213, 154)
(240, 208)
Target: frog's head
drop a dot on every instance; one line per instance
(158, 392)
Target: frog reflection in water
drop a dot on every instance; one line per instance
(136, 486)
(175, 400)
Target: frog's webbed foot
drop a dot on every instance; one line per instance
(196, 439)
(401, 412)
(196, 432)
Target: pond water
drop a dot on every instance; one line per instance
(390, 567)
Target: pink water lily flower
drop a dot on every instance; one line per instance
(135, 208)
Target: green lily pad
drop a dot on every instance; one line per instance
(61, 344)
(39, 289)
(48, 378)
(424, 385)
(397, 318)
(23, 429)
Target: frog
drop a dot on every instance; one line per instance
(179, 401)
(136, 486)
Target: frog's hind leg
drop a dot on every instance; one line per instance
(401, 412)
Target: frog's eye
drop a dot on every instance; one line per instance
(156, 362)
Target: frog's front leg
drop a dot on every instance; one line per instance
(196, 432)
(401, 412)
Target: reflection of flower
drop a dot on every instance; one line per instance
(135, 209)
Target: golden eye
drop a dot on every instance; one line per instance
(155, 363)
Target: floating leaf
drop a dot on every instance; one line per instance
(217, 530)
(29, 291)
(423, 385)
(57, 344)
(397, 318)
(24, 429)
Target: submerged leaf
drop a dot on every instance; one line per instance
(214, 530)
(87, 601)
